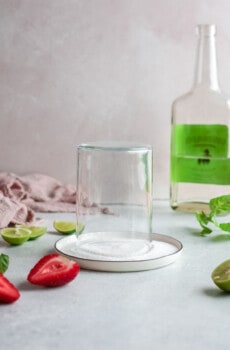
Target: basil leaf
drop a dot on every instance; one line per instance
(4, 263)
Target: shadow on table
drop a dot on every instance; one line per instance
(27, 286)
(215, 293)
(215, 236)
(221, 237)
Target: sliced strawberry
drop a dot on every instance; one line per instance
(8, 292)
(53, 270)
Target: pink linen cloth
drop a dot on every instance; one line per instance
(21, 196)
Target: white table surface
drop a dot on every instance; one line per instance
(174, 307)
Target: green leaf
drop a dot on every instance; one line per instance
(220, 205)
(225, 226)
(205, 231)
(4, 263)
(204, 219)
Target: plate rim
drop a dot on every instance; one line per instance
(124, 265)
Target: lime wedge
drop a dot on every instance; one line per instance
(67, 227)
(36, 231)
(221, 276)
(15, 235)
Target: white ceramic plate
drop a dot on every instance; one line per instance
(166, 250)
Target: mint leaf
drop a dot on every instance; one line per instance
(220, 205)
(205, 231)
(225, 226)
(204, 220)
(4, 263)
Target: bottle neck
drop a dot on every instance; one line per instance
(206, 63)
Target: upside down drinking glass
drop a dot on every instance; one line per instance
(114, 200)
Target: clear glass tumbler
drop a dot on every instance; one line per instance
(114, 200)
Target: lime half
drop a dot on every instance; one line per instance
(36, 231)
(15, 235)
(221, 276)
(67, 227)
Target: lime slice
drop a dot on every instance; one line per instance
(15, 235)
(221, 276)
(67, 227)
(36, 231)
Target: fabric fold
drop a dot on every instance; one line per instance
(21, 196)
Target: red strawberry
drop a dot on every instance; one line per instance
(53, 270)
(8, 292)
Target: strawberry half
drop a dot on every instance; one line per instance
(8, 292)
(53, 270)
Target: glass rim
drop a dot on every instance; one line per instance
(115, 146)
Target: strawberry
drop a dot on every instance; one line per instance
(53, 270)
(8, 292)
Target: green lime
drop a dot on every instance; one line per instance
(15, 235)
(36, 231)
(67, 227)
(221, 276)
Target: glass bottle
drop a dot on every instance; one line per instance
(200, 162)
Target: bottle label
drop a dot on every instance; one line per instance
(199, 154)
